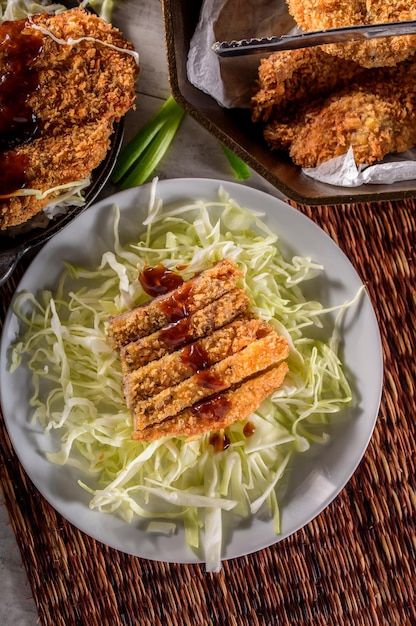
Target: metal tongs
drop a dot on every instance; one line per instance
(315, 38)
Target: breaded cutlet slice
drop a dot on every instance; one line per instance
(86, 77)
(201, 323)
(173, 368)
(373, 126)
(290, 78)
(62, 162)
(313, 15)
(220, 410)
(183, 301)
(256, 357)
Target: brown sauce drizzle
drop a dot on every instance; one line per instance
(215, 408)
(12, 172)
(249, 429)
(176, 306)
(159, 280)
(219, 441)
(209, 381)
(18, 81)
(176, 335)
(196, 357)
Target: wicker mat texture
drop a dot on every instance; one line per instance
(353, 565)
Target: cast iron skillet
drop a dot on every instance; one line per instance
(13, 248)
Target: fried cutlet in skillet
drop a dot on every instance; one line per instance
(83, 88)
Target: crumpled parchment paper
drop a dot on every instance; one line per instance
(230, 81)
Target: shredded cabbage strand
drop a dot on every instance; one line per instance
(77, 394)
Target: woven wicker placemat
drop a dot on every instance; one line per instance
(353, 565)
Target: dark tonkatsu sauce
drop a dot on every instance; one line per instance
(177, 334)
(196, 357)
(215, 408)
(176, 306)
(12, 171)
(249, 429)
(19, 80)
(210, 381)
(158, 280)
(219, 441)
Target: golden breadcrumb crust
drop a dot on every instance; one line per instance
(222, 366)
(313, 15)
(82, 90)
(316, 107)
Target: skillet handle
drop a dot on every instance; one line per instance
(8, 261)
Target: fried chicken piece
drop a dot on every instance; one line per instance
(374, 113)
(313, 15)
(82, 89)
(256, 357)
(220, 410)
(372, 126)
(288, 78)
(173, 368)
(183, 301)
(201, 323)
(217, 347)
(61, 161)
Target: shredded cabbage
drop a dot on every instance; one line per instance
(77, 394)
(19, 9)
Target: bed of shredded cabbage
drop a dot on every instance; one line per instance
(77, 377)
(20, 9)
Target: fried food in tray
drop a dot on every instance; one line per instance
(316, 106)
(77, 82)
(208, 375)
(313, 15)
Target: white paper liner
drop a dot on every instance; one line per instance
(230, 81)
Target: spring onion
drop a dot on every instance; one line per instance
(240, 169)
(77, 395)
(141, 156)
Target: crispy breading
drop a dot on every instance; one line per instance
(172, 376)
(175, 305)
(313, 15)
(371, 125)
(83, 88)
(374, 112)
(173, 368)
(62, 161)
(288, 78)
(256, 357)
(220, 410)
(201, 323)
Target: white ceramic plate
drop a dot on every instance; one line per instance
(314, 479)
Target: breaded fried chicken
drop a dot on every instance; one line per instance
(203, 322)
(374, 112)
(82, 88)
(173, 306)
(214, 366)
(220, 410)
(175, 367)
(254, 358)
(287, 79)
(313, 15)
